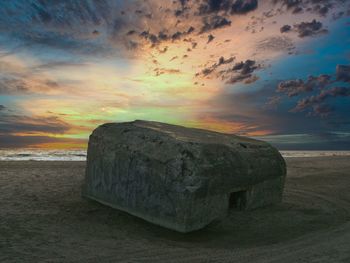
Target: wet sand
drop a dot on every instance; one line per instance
(44, 219)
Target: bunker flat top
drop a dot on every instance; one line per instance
(183, 133)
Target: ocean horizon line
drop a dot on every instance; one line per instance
(35, 154)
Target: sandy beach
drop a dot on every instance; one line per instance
(44, 219)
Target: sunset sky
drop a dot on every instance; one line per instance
(277, 70)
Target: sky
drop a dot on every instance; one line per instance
(276, 70)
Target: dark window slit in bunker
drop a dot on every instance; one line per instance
(238, 200)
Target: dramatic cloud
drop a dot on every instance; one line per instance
(232, 6)
(319, 99)
(320, 7)
(68, 25)
(322, 89)
(290, 3)
(243, 72)
(18, 130)
(210, 38)
(222, 61)
(285, 28)
(239, 72)
(243, 6)
(246, 67)
(24, 84)
(13, 86)
(276, 43)
(67, 66)
(322, 110)
(214, 22)
(312, 28)
(156, 39)
(343, 73)
(11, 124)
(161, 71)
(273, 102)
(295, 87)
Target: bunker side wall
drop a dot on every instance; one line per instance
(132, 183)
(266, 193)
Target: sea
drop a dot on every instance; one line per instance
(80, 155)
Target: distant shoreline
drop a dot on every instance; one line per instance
(80, 155)
(312, 153)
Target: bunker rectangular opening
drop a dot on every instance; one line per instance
(238, 200)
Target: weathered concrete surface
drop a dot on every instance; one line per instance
(177, 177)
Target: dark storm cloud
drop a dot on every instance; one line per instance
(207, 71)
(289, 3)
(243, 6)
(214, 22)
(338, 15)
(320, 81)
(57, 65)
(248, 109)
(247, 79)
(276, 43)
(321, 87)
(69, 25)
(161, 71)
(242, 72)
(182, 9)
(131, 32)
(273, 102)
(321, 98)
(222, 61)
(343, 73)
(285, 28)
(320, 7)
(13, 86)
(231, 6)
(153, 39)
(27, 80)
(210, 38)
(214, 13)
(106, 27)
(14, 123)
(322, 110)
(161, 36)
(64, 41)
(239, 72)
(212, 6)
(295, 87)
(246, 67)
(305, 29)
(178, 35)
(295, 6)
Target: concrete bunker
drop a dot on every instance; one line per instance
(180, 178)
